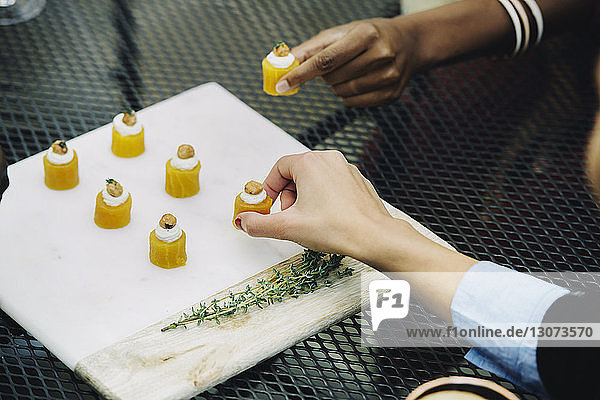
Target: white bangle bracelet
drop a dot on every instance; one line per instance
(512, 13)
(525, 21)
(539, 18)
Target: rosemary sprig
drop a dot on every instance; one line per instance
(310, 274)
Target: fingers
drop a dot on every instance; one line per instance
(260, 225)
(387, 76)
(280, 175)
(331, 57)
(374, 98)
(288, 196)
(371, 60)
(317, 43)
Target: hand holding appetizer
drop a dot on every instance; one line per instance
(366, 62)
(329, 206)
(167, 243)
(127, 135)
(113, 206)
(182, 173)
(60, 167)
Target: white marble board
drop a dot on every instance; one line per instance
(78, 288)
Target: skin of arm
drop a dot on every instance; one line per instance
(3, 173)
(329, 206)
(368, 62)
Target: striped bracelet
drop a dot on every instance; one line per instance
(514, 16)
(526, 28)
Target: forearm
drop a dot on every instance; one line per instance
(471, 27)
(393, 245)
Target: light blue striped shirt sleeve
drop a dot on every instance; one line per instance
(501, 295)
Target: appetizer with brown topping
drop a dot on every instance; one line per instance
(276, 64)
(252, 198)
(127, 135)
(167, 243)
(182, 173)
(61, 171)
(113, 206)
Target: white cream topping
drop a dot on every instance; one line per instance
(253, 198)
(60, 159)
(114, 201)
(280, 62)
(168, 235)
(181, 163)
(125, 129)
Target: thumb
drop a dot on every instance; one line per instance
(260, 225)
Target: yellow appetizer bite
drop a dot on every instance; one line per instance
(167, 244)
(252, 198)
(182, 173)
(60, 167)
(113, 206)
(127, 135)
(275, 65)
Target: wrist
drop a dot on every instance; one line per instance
(393, 245)
(459, 29)
(418, 37)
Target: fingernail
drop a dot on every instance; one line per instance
(238, 223)
(282, 86)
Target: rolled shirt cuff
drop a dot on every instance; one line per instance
(490, 294)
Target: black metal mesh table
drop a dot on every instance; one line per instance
(488, 154)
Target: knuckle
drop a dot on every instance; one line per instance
(339, 90)
(346, 90)
(354, 169)
(309, 157)
(308, 161)
(328, 78)
(324, 61)
(335, 155)
(391, 74)
(251, 227)
(283, 159)
(325, 32)
(370, 32)
(385, 53)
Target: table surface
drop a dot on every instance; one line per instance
(488, 154)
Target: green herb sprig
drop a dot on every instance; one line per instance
(310, 274)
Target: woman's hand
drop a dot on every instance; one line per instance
(329, 206)
(3, 173)
(366, 62)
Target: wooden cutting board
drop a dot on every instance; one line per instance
(92, 297)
